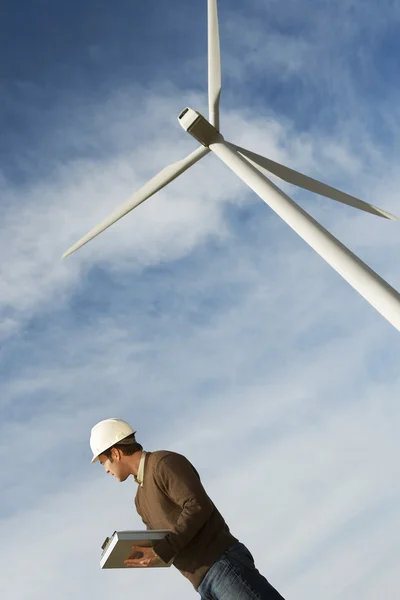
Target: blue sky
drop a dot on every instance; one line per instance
(200, 317)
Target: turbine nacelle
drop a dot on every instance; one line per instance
(194, 123)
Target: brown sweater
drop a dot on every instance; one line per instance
(172, 497)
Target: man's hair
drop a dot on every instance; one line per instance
(128, 446)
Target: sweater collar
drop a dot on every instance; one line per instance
(140, 476)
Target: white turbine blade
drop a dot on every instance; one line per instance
(214, 64)
(149, 189)
(369, 284)
(308, 183)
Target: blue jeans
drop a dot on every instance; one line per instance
(235, 577)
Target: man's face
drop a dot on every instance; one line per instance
(116, 465)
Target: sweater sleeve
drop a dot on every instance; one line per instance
(179, 480)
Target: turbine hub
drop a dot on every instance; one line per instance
(198, 127)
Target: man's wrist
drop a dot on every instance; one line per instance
(163, 550)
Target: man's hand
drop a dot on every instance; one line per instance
(143, 557)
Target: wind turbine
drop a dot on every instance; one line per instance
(251, 167)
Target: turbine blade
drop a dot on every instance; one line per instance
(158, 182)
(308, 183)
(214, 64)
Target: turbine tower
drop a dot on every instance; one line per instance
(251, 168)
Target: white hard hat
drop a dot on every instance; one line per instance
(107, 433)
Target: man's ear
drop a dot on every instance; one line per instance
(115, 454)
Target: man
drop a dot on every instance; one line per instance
(171, 496)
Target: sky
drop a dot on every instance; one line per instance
(201, 318)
